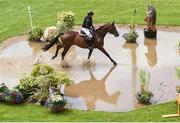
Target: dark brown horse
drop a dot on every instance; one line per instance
(73, 38)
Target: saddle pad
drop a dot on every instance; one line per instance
(81, 33)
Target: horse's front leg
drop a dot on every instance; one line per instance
(90, 53)
(104, 51)
(57, 50)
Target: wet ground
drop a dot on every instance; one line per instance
(101, 86)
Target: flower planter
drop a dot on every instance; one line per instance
(57, 107)
(130, 37)
(14, 97)
(144, 98)
(35, 39)
(42, 102)
(150, 33)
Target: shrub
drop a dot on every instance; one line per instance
(3, 91)
(36, 86)
(35, 34)
(41, 69)
(27, 84)
(65, 21)
(3, 88)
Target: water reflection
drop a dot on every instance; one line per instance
(132, 47)
(92, 90)
(114, 91)
(151, 55)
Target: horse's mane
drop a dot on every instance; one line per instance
(101, 27)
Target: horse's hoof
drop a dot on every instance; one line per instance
(114, 63)
(53, 57)
(65, 64)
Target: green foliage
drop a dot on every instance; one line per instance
(144, 78)
(132, 27)
(41, 94)
(131, 36)
(179, 45)
(56, 100)
(36, 33)
(65, 21)
(42, 69)
(37, 84)
(144, 95)
(14, 97)
(3, 88)
(178, 71)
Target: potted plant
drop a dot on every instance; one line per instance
(14, 97)
(132, 35)
(144, 95)
(35, 34)
(57, 103)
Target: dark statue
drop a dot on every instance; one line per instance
(150, 31)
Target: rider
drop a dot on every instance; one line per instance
(88, 28)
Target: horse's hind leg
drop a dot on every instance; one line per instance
(57, 50)
(65, 51)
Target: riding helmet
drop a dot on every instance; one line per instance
(90, 12)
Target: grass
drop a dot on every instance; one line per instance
(29, 112)
(14, 21)
(14, 16)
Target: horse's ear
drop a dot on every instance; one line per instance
(113, 23)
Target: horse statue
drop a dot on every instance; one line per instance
(67, 39)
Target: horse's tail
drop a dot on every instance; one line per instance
(51, 43)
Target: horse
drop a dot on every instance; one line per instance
(67, 39)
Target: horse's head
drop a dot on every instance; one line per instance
(113, 30)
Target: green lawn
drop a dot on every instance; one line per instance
(37, 113)
(14, 21)
(14, 15)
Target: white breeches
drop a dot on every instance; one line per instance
(87, 32)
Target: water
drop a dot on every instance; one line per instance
(101, 86)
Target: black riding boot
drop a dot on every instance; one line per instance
(89, 43)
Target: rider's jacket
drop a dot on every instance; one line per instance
(87, 23)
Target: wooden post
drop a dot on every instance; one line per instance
(30, 17)
(178, 111)
(178, 102)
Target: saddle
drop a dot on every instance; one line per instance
(82, 33)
